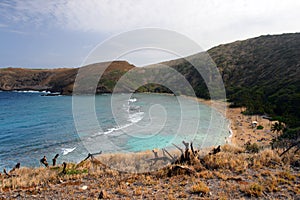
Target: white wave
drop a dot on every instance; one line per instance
(136, 117)
(133, 118)
(132, 100)
(48, 92)
(110, 130)
(31, 91)
(65, 151)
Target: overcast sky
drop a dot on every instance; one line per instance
(61, 33)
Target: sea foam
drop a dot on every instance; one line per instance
(66, 151)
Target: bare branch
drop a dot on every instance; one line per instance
(164, 150)
(295, 144)
(186, 144)
(192, 148)
(178, 148)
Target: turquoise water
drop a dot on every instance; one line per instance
(32, 125)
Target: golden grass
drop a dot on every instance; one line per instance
(29, 177)
(248, 174)
(226, 160)
(287, 175)
(206, 174)
(220, 175)
(266, 158)
(253, 190)
(232, 149)
(199, 187)
(133, 162)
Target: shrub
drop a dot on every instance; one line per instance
(76, 171)
(260, 127)
(267, 158)
(225, 160)
(251, 148)
(253, 189)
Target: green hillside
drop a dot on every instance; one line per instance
(262, 74)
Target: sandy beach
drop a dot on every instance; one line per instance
(241, 127)
(243, 131)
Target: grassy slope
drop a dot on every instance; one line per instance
(231, 174)
(261, 73)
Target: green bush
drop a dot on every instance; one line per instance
(75, 171)
(251, 148)
(260, 127)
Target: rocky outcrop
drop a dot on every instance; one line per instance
(59, 80)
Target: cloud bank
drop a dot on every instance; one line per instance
(213, 20)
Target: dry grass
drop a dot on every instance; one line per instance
(253, 190)
(133, 162)
(29, 177)
(232, 149)
(220, 175)
(199, 188)
(206, 174)
(226, 160)
(229, 174)
(266, 158)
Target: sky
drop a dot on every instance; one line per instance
(62, 33)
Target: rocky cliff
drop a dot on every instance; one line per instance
(59, 80)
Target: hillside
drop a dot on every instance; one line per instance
(262, 74)
(59, 80)
(262, 71)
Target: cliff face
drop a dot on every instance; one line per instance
(25, 79)
(58, 80)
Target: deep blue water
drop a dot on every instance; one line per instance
(32, 125)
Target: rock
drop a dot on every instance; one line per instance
(103, 195)
(84, 187)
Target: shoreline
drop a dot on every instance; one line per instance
(240, 125)
(240, 131)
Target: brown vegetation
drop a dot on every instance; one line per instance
(230, 173)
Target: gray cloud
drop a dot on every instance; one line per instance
(208, 22)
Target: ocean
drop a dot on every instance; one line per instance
(33, 125)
